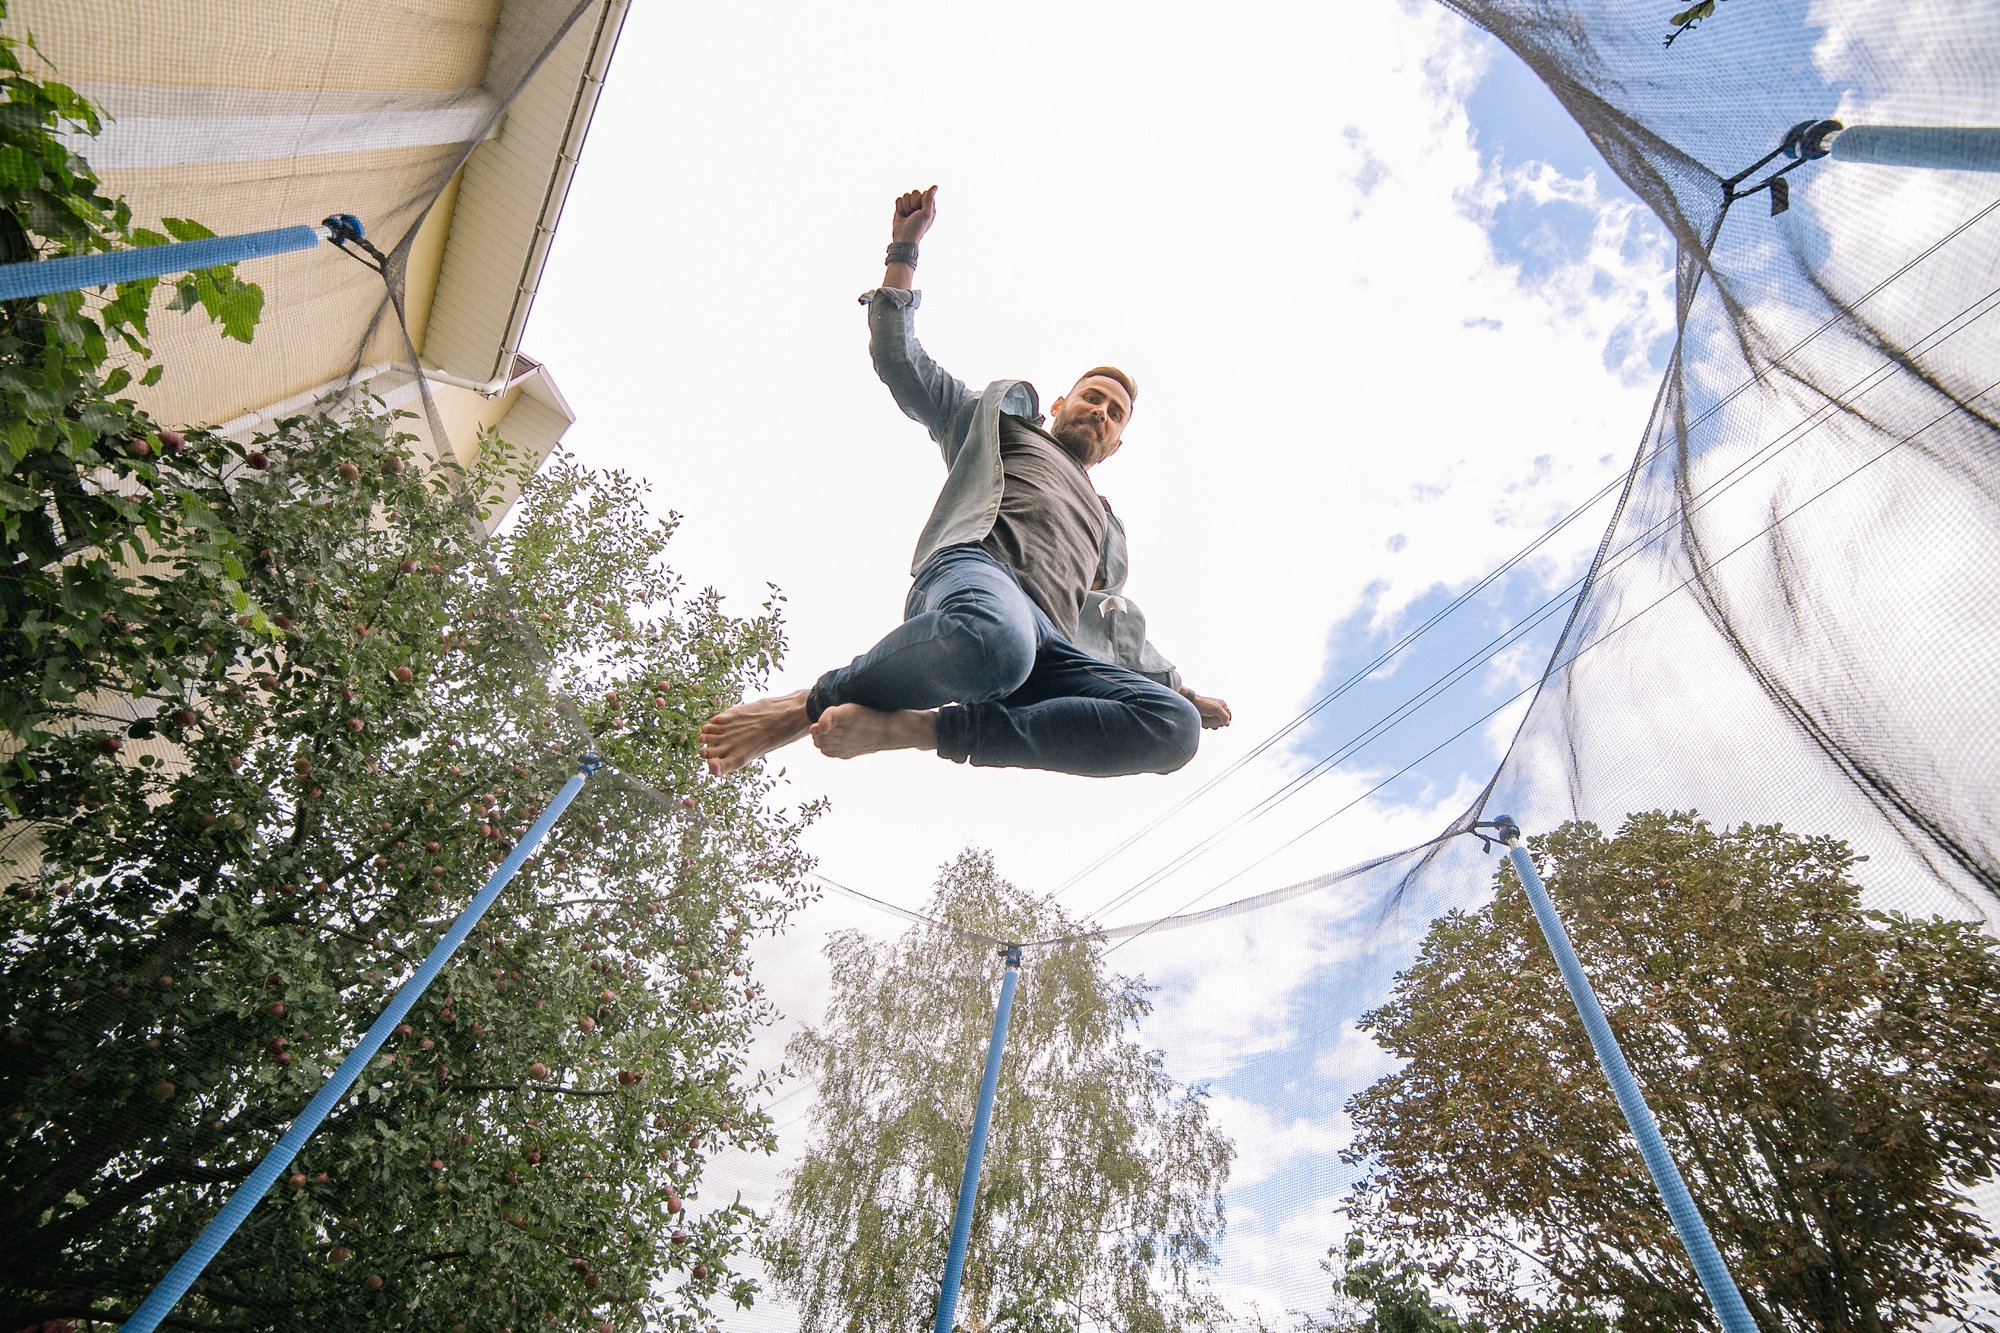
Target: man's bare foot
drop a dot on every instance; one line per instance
(845, 731)
(735, 736)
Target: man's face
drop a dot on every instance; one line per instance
(1089, 421)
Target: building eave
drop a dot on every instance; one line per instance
(475, 328)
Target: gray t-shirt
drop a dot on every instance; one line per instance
(1050, 529)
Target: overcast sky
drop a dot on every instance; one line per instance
(1390, 320)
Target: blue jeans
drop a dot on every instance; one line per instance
(1010, 691)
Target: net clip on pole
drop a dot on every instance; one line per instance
(1505, 832)
(344, 230)
(1012, 953)
(589, 764)
(1807, 141)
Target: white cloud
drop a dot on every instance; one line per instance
(1499, 733)
(1268, 1141)
(1355, 1060)
(1904, 65)
(1272, 1265)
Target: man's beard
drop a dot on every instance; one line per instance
(1078, 440)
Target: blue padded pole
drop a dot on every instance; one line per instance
(975, 1154)
(212, 1238)
(1940, 148)
(39, 277)
(1700, 1246)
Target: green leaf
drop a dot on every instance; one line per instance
(237, 309)
(232, 303)
(70, 105)
(131, 304)
(21, 437)
(186, 229)
(17, 169)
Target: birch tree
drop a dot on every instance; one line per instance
(1100, 1201)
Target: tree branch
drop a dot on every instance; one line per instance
(565, 1090)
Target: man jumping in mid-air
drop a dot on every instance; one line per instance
(1018, 650)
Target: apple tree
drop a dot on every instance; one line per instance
(238, 823)
(1826, 1077)
(1101, 1195)
(273, 711)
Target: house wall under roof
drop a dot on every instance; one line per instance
(449, 128)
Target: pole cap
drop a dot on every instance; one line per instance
(345, 227)
(1811, 139)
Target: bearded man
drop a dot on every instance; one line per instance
(1018, 648)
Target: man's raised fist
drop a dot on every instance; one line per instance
(915, 212)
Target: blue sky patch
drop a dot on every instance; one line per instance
(1540, 236)
(1447, 682)
(1516, 120)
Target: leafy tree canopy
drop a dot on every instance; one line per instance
(1100, 1199)
(1827, 1078)
(269, 714)
(1374, 1294)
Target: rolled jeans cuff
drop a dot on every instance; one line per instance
(954, 733)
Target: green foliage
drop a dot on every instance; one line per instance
(239, 829)
(1373, 1294)
(1100, 1198)
(75, 452)
(1827, 1079)
(272, 712)
(53, 348)
(234, 304)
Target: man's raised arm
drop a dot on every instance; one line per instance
(924, 391)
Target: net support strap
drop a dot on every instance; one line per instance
(975, 1153)
(1687, 1219)
(182, 1275)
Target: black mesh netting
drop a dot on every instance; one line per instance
(1824, 434)
(1789, 621)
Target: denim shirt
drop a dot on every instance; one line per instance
(966, 427)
